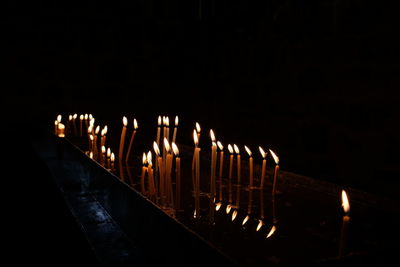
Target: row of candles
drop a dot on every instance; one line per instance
(159, 181)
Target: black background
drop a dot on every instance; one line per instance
(316, 81)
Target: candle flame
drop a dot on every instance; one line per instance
(149, 158)
(175, 149)
(237, 151)
(86, 116)
(91, 155)
(212, 135)
(59, 117)
(156, 149)
(272, 231)
(228, 208)
(91, 137)
(61, 126)
(75, 116)
(176, 121)
(263, 153)
(125, 121)
(90, 129)
(248, 150)
(218, 206)
(260, 224)
(194, 214)
(91, 122)
(112, 157)
(166, 145)
(195, 138)
(56, 122)
(90, 116)
(70, 117)
(105, 129)
(135, 124)
(167, 121)
(102, 133)
(81, 117)
(198, 127)
(108, 152)
(245, 220)
(345, 202)
(234, 214)
(144, 158)
(97, 129)
(276, 159)
(230, 148)
(103, 149)
(220, 146)
(159, 121)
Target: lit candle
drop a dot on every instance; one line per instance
(108, 158)
(158, 131)
(197, 180)
(91, 144)
(103, 155)
(80, 124)
(230, 148)
(74, 124)
(69, 124)
(178, 175)
(56, 127)
(167, 127)
(345, 224)
(112, 158)
(276, 159)
(150, 174)
(59, 118)
(237, 151)
(213, 164)
(221, 158)
(250, 166)
(61, 130)
(90, 117)
(95, 150)
(160, 170)
(168, 168)
(105, 131)
(135, 126)
(198, 129)
(175, 129)
(144, 169)
(86, 120)
(264, 166)
(122, 140)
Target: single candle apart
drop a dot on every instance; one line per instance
(230, 148)
(237, 151)
(122, 139)
(264, 166)
(345, 225)
(250, 166)
(276, 159)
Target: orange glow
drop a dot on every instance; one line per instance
(345, 202)
(144, 159)
(272, 231)
(175, 149)
(103, 149)
(230, 148)
(228, 208)
(149, 158)
(260, 224)
(245, 220)
(195, 138)
(156, 149)
(220, 146)
(234, 214)
(108, 152)
(237, 151)
(176, 121)
(135, 124)
(125, 121)
(276, 159)
(212, 135)
(263, 153)
(59, 117)
(159, 121)
(97, 129)
(198, 129)
(81, 117)
(218, 206)
(75, 116)
(166, 145)
(112, 157)
(248, 150)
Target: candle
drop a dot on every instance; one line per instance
(167, 127)
(150, 174)
(175, 129)
(198, 129)
(250, 166)
(264, 166)
(108, 158)
(95, 150)
(135, 126)
(158, 131)
(345, 225)
(112, 158)
(90, 117)
(86, 120)
(249, 205)
(61, 130)
(80, 124)
(276, 159)
(74, 124)
(229, 206)
(122, 139)
(103, 155)
(144, 169)
(168, 168)
(197, 180)
(213, 164)
(56, 127)
(160, 170)
(178, 175)
(237, 151)
(91, 145)
(105, 131)
(221, 158)
(230, 161)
